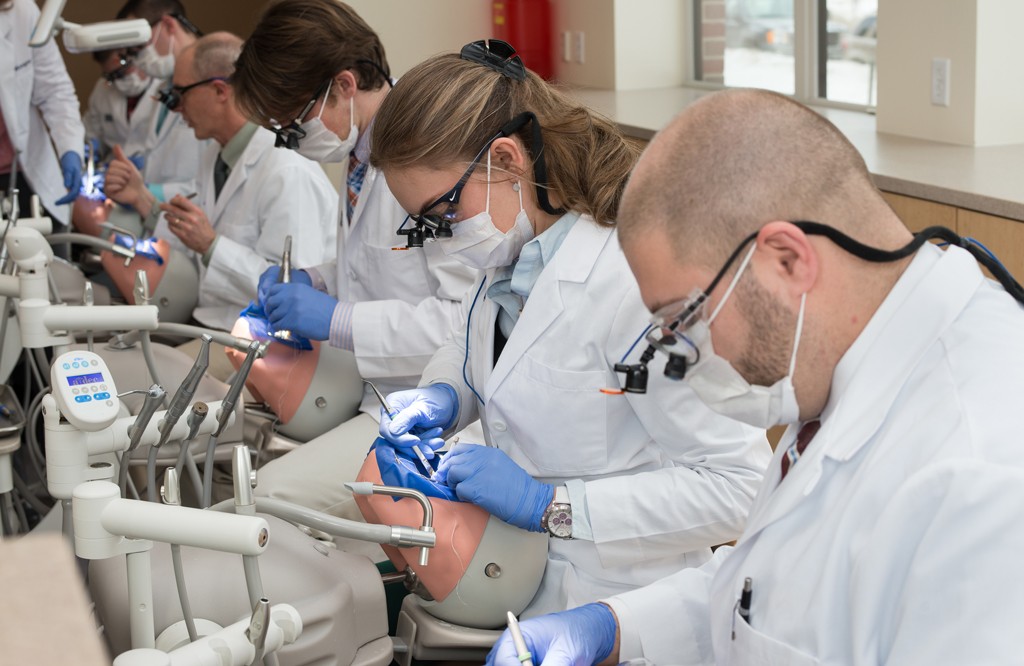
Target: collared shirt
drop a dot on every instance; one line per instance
(512, 284)
(231, 153)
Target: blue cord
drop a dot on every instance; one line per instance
(975, 241)
(635, 342)
(469, 328)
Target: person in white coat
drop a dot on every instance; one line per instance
(38, 112)
(317, 63)
(168, 149)
(249, 195)
(888, 529)
(120, 105)
(629, 486)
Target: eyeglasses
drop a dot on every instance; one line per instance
(172, 97)
(496, 54)
(673, 320)
(289, 135)
(124, 64)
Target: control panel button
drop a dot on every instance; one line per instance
(101, 396)
(83, 398)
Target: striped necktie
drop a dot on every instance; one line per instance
(796, 449)
(356, 173)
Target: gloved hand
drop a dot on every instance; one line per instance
(584, 635)
(138, 160)
(269, 279)
(422, 415)
(71, 166)
(487, 477)
(301, 309)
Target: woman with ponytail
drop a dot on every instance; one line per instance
(512, 177)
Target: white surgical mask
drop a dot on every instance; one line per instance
(724, 390)
(152, 63)
(476, 242)
(132, 84)
(321, 144)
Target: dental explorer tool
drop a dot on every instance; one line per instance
(391, 414)
(522, 654)
(285, 277)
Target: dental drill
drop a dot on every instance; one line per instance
(194, 420)
(179, 403)
(285, 277)
(154, 397)
(227, 408)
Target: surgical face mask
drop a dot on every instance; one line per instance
(132, 84)
(321, 144)
(724, 390)
(476, 242)
(152, 63)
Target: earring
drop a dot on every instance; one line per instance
(515, 186)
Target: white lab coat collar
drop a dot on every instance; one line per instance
(586, 239)
(927, 298)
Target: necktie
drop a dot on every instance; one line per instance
(220, 174)
(796, 449)
(356, 172)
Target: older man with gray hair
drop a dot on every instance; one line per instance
(249, 196)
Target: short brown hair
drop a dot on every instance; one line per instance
(297, 46)
(446, 109)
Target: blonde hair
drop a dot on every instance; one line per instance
(446, 109)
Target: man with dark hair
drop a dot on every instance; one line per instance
(168, 149)
(121, 104)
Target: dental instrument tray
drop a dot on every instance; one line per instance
(12, 419)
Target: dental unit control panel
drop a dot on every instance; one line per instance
(84, 390)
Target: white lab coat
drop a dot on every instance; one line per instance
(106, 119)
(896, 537)
(269, 194)
(406, 301)
(173, 153)
(36, 93)
(666, 478)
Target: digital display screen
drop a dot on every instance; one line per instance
(79, 380)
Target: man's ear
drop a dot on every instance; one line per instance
(790, 255)
(345, 81)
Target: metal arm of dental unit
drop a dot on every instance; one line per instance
(46, 325)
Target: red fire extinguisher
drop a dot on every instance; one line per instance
(526, 25)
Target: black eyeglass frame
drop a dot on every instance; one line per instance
(288, 136)
(126, 63)
(173, 97)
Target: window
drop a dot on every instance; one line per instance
(811, 49)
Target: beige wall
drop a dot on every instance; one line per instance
(981, 40)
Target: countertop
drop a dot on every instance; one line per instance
(988, 179)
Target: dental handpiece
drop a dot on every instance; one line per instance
(391, 413)
(227, 406)
(285, 277)
(183, 396)
(154, 398)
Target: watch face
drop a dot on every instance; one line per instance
(560, 521)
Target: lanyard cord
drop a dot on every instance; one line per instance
(469, 328)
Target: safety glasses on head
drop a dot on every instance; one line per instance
(496, 54)
(173, 96)
(288, 136)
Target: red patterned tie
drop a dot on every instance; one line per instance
(796, 449)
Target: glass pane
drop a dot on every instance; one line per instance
(851, 74)
(746, 43)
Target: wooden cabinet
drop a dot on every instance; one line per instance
(918, 213)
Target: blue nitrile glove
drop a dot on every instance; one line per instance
(270, 278)
(301, 309)
(138, 160)
(420, 416)
(584, 635)
(487, 477)
(71, 166)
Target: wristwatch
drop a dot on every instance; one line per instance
(557, 518)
